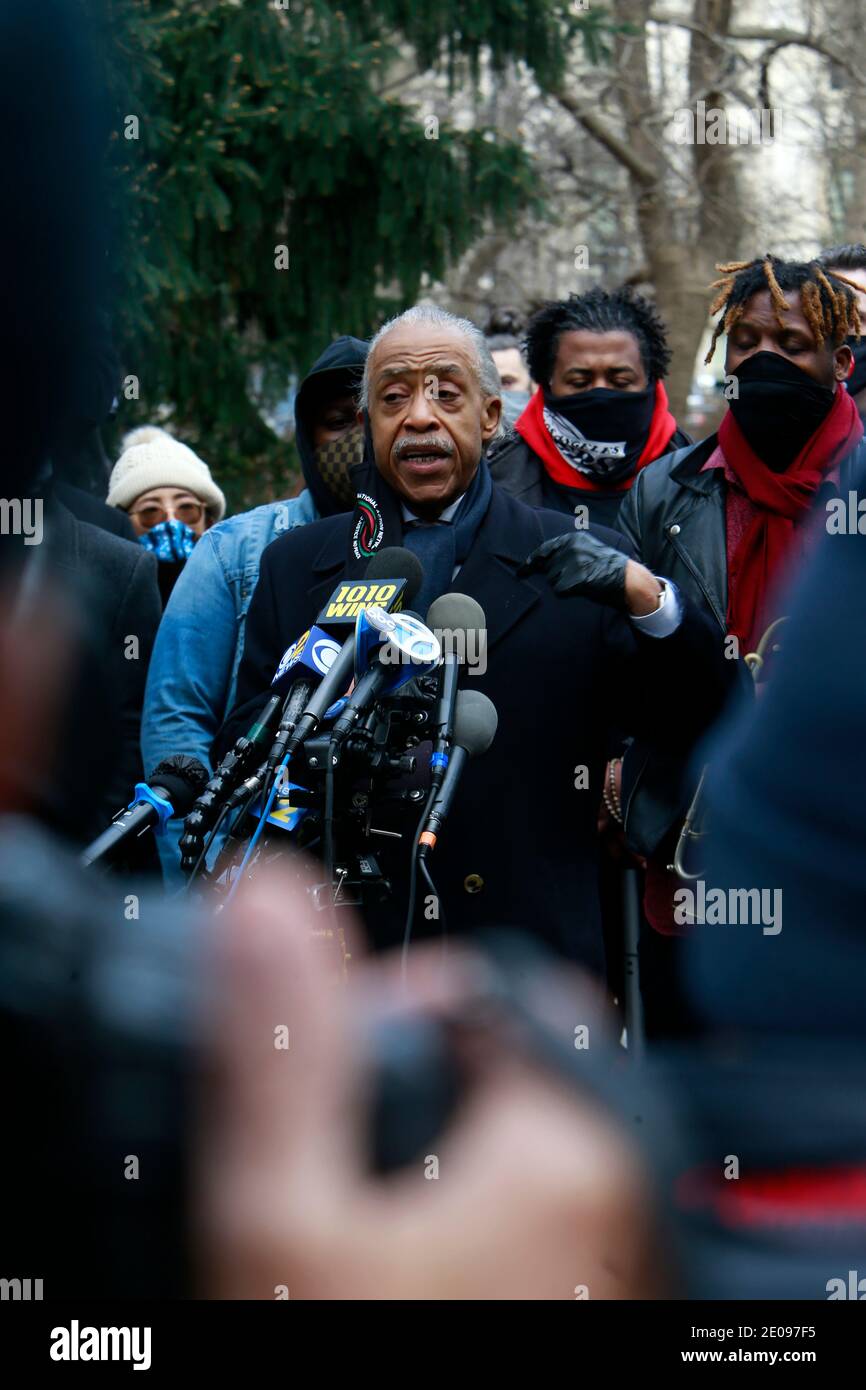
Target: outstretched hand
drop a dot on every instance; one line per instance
(578, 564)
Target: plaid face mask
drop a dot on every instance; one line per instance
(333, 461)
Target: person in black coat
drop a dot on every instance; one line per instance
(784, 796)
(777, 977)
(519, 848)
(730, 519)
(95, 512)
(783, 462)
(600, 413)
(110, 585)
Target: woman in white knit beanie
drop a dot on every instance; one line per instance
(169, 495)
(157, 474)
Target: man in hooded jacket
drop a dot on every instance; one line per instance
(192, 676)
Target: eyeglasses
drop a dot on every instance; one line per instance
(152, 513)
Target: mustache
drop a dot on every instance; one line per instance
(428, 441)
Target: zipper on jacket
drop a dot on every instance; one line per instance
(697, 576)
(637, 781)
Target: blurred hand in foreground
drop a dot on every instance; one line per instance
(538, 1195)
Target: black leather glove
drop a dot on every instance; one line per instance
(580, 564)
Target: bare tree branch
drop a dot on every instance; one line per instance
(606, 136)
(779, 38)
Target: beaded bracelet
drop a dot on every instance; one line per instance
(611, 800)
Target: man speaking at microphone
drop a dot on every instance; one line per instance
(580, 641)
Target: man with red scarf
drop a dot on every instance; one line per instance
(601, 412)
(730, 515)
(729, 519)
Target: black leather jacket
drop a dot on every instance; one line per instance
(674, 515)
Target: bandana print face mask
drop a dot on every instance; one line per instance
(601, 433)
(171, 541)
(333, 461)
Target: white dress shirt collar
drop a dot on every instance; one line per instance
(447, 515)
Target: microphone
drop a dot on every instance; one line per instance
(391, 580)
(409, 649)
(452, 617)
(306, 662)
(170, 791)
(207, 805)
(395, 560)
(308, 659)
(369, 636)
(475, 721)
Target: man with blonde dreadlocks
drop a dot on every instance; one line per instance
(728, 519)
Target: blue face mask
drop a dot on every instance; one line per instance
(513, 405)
(171, 541)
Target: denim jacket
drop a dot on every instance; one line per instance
(194, 666)
(193, 670)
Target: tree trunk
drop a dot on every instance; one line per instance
(678, 269)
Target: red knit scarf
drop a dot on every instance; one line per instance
(531, 427)
(782, 500)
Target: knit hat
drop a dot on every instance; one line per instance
(153, 458)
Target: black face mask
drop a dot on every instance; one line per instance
(608, 429)
(779, 407)
(857, 379)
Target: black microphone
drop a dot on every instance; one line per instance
(308, 661)
(170, 791)
(475, 721)
(213, 800)
(391, 581)
(235, 761)
(395, 560)
(451, 617)
(306, 704)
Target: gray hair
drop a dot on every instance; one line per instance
(485, 368)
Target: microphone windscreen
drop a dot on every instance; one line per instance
(396, 562)
(475, 722)
(456, 613)
(183, 778)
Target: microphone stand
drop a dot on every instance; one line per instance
(634, 1021)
